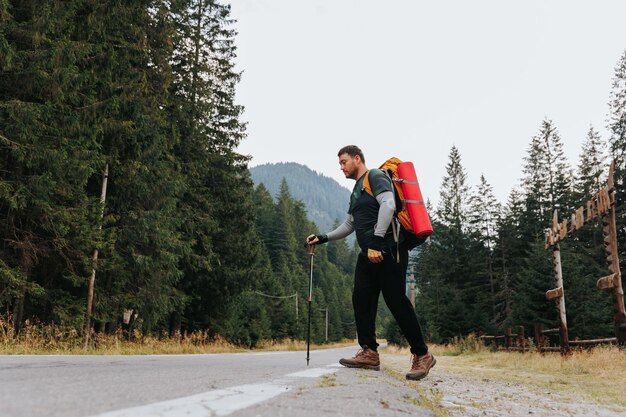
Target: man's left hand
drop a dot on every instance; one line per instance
(375, 256)
(375, 251)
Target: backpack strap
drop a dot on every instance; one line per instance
(402, 180)
(395, 224)
(366, 184)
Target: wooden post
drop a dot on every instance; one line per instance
(558, 281)
(609, 231)
(94, 259)
(558, 293)
(508, 339)
(326, 324)
(539, 337)
(521, 339)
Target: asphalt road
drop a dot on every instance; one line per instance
(239, 385)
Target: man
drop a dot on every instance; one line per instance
(377, 269)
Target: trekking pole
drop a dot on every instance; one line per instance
(308, 334)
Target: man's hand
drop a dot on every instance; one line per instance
(375, 256)
(315, 240)
(375, 251)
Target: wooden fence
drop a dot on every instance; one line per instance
(508, 341)
(600, 205)
(544, 340)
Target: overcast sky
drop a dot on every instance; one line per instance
(413, 78)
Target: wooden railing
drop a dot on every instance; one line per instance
(544, 340)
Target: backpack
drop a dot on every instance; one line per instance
(402, 216)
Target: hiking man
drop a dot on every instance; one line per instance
(377, 269)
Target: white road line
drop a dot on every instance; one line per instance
(312, 373)
(335, 365)
(219, 402)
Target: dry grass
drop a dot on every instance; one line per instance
(291, 344)
(596, 375)
(328, 381)
(38, 339)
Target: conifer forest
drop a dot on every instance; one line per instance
(119, 177)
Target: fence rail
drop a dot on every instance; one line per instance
(542, 340)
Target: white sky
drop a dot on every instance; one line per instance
(412, 78)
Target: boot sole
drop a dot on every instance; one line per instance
(350, 365)
(412, 377)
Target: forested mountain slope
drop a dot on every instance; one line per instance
(325, 199)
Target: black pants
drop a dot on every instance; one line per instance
(389, 277)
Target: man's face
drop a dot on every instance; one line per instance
(349, 165)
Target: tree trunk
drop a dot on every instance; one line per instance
(18, 313)
(175, 325)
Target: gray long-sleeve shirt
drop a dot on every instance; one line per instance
(387, 204)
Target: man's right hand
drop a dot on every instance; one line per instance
(316, 240)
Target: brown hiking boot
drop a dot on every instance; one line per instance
(365, 358)
(420, 365)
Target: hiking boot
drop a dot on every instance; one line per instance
(420, 365)
(365, 358)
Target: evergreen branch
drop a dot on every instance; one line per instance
(4, 138)
(92, 105)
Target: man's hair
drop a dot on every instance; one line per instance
(353, 151)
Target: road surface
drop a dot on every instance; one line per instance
(238, 385)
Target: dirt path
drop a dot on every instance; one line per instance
(450, 393)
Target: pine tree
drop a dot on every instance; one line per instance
(283, 245)
(546, 187)
(340, 254)
(453, 199)
(48, 153)
(531, 282)
(452, 214)
(132, 75)
(589, 310)
(617, 115)
(590, 178)
(484, 213)
(559, 171)
(438, 303)
(455, 235)
(509, 253)
(448, 273)
(533, 184)
(617, 127)
(484, 216)
(283, 226)
(547, 179)
(217, 205)
(592, 166)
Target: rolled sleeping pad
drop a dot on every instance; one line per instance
(414, 201)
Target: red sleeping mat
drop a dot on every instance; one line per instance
(414, 202)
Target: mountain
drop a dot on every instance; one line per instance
(325, 199)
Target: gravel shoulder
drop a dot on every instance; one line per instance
(346, 393)
(451, 392)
